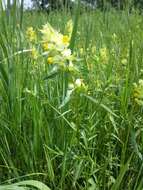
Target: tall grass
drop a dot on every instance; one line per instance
(95, 140)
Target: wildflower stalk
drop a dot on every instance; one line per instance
(72, 42)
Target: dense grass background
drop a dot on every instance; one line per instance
(95, 140)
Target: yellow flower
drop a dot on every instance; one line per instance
(66, 53)
(50, 35)
(34, 53)
(47, 32)
(53, 43)
(66, 40)
(138, 92)
(45, 46)
(103, 55)
(31, 34)
(50, 60)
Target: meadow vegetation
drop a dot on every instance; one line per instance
(71, 100)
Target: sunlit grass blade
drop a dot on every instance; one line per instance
(121, 175)
(23, 185)
(75, 27)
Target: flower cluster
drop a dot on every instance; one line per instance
(52, 47)
(51, 44)
(103, 55)
(31, 34)
(138, 92)
(56, 46)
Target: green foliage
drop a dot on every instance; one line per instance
(83, 139)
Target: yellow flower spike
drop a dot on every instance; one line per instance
(104, 55)
(34, 53)
(31, 34)
(50, 60)
(138, 92)
(66, 39)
